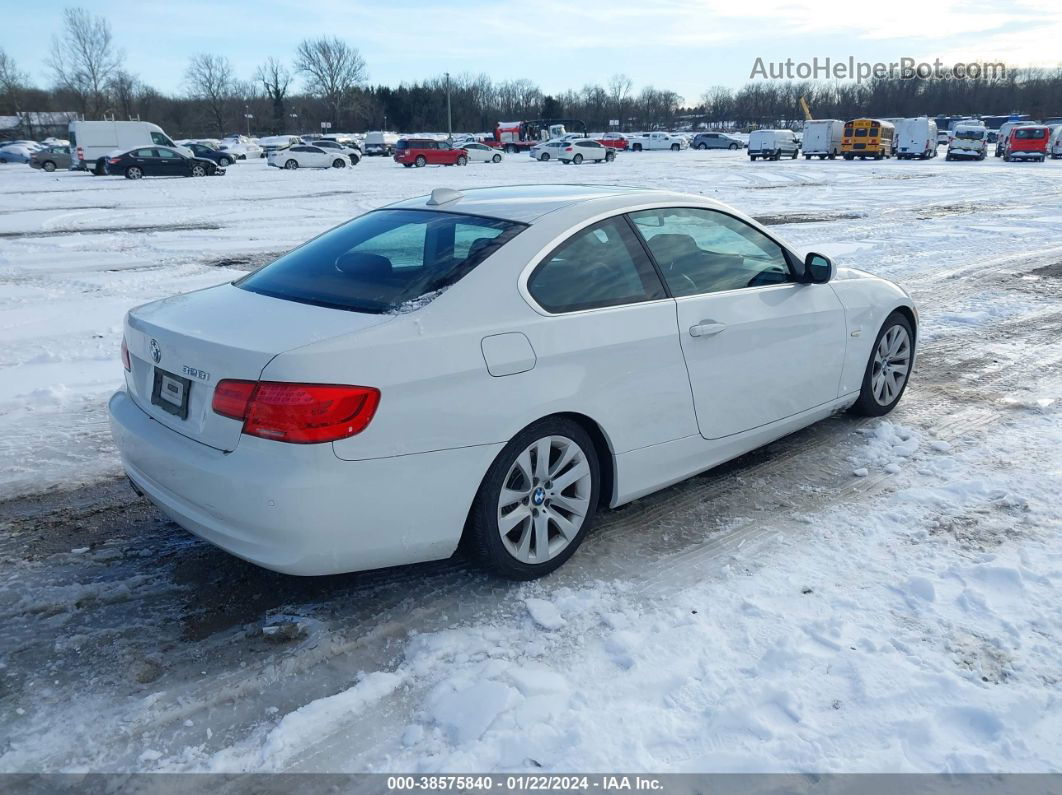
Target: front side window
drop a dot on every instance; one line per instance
(166, 154)
(383, 259)
(703, 251)
(603, 265)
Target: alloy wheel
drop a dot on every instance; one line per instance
(544, 499)
(892, 365)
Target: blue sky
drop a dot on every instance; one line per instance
(684, 45)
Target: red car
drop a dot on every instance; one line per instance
(614, 141)
(1028, 142)
(428, 152)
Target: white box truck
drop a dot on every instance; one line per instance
(92, 141)
(822, 138)
(916, 138)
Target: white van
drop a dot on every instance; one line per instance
(822, 137)
(773, 144)
(92, 141)
(1054, 145)
(379, 142)
(916, 138)
(969, 141)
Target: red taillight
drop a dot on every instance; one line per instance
(114, 160)
(80, 153)
(568, 149)
(297, 413)
(126, 361)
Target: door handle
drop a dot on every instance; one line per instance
(706, 328)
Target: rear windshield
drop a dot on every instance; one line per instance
(970, 135)
(1037, 133)
(383, 261)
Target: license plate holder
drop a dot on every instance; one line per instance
(170, 393)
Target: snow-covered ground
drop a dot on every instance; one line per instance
(863, 596)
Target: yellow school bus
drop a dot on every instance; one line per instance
(865, 138)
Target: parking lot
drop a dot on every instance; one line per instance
(889, 579)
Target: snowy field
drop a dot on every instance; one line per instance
(866, 595)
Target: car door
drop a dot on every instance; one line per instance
(315, 157)
(759, 345)
(171, 164)
(150, 162)
(610, 326)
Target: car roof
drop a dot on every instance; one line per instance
(526, 203)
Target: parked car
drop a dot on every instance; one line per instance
(586, 149)
(16, 153)
(969, 141)
(307, 156)
(1028, 142)
(916, 138)
(548, 150)
(160, 161)
(1003, 132)
(241, 147)
(353, 154)
(481, 153)
(283, 417)
(773, 144)
(659, 140)
(616, 141)
(51, 158)
(380, 142)
(428, 152)
(716, 140)
(223, 159)
(92, 142)
(822, 138)
(272, 143)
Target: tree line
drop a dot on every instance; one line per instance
(326, 80)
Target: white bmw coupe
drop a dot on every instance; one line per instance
(495, 366)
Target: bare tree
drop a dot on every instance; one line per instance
(124, 88)
(209, 78)
(619, 89)
(12, 83)
(275, 79)
(84, 60)
(333, 69)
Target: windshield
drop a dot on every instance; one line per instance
(382, 260)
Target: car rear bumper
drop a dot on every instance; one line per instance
(298, 509)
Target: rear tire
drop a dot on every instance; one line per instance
(291, 165)
(134, 172)
(577, 159)
(893, 349)
(420, 162)
(702, 147)
(543, 516)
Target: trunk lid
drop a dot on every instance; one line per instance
(209, 335)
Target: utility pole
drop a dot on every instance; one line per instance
(449, 117)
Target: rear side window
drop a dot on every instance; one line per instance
(382, 260)
(403, 144)
(602, 265)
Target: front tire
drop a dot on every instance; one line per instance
(198, 171)
(496, 159)
(48, 166)
(544, 157)
(889, 368)
(732, 147)
(537, 501)
(462, 161)
(224, 162)
(421, 161)
(338, 163)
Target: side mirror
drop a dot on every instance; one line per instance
(818, 268)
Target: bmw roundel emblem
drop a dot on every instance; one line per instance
(156, 351)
